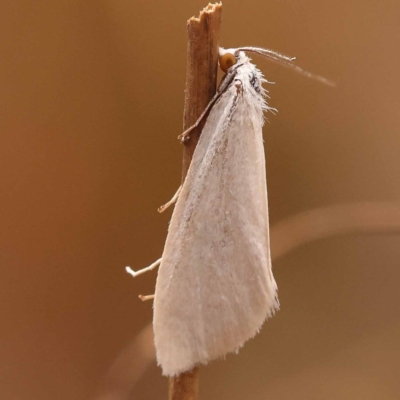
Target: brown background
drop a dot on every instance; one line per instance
(91, 104)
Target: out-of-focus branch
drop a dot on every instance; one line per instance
(286, 236)
(340, 219)
(129, 367)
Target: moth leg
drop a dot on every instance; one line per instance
(221, 89)
(148, 297)
(183, 137)
(130, 271)
(172, 201)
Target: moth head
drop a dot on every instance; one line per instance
(227, 58)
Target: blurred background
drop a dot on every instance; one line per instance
(91, 105)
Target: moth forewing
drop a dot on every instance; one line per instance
(215, 286)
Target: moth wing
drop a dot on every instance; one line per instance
(215, 286)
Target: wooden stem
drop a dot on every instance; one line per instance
(201, 83)
(184, 386)
(201, 73)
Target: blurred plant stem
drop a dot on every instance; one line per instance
(286, 235)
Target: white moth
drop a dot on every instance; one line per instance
(215, 286)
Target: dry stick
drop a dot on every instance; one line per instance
(201, 82)
(201, 72)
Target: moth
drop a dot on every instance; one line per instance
(215, 286)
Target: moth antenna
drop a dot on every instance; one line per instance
(267, 53)
(286, 62)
